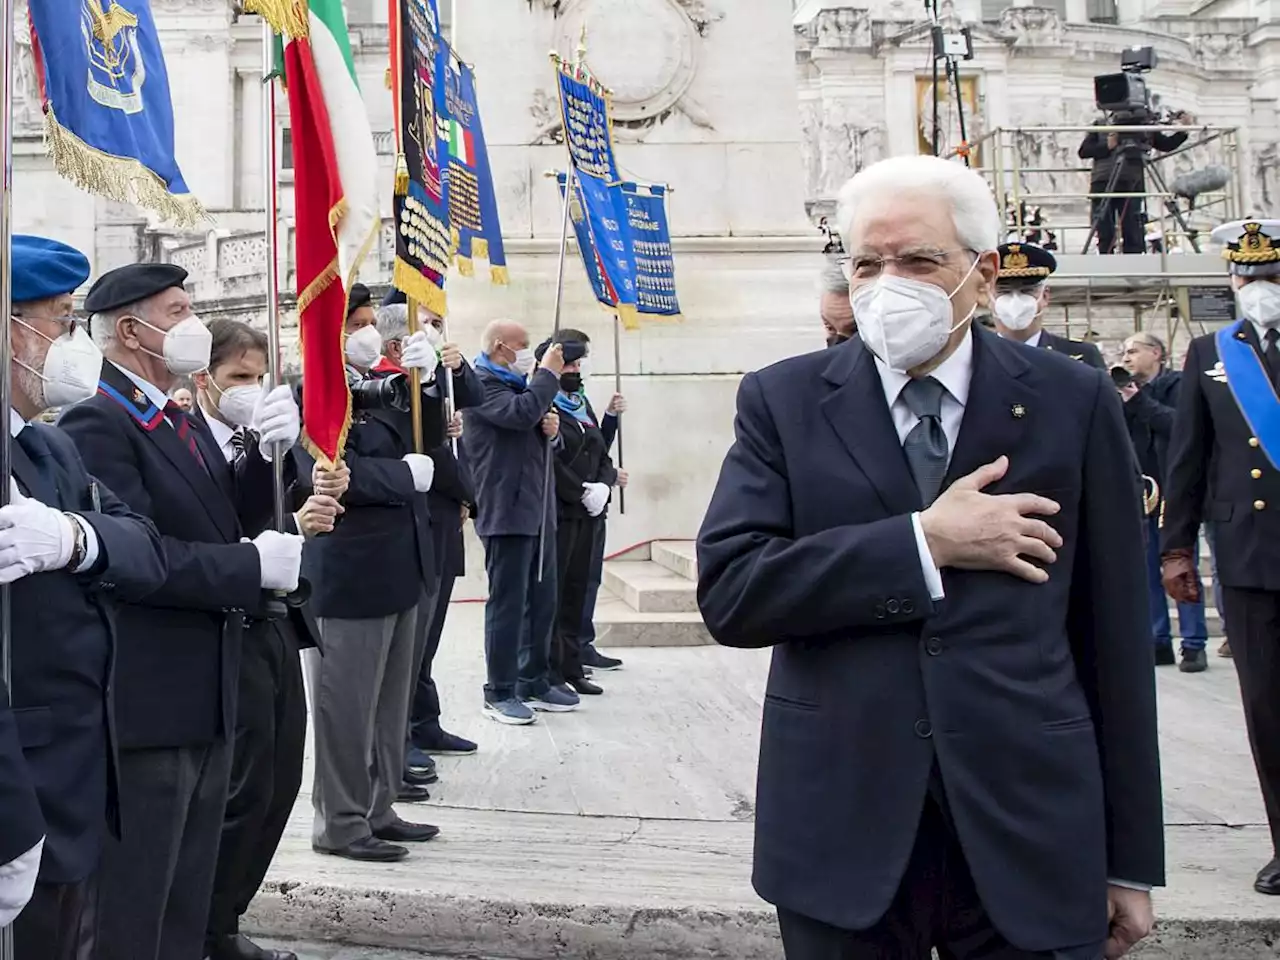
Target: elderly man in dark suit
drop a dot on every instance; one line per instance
(178, 655)
(70, 549)
(1022, 295)
(959, 745)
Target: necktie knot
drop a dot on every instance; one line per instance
(923, 397)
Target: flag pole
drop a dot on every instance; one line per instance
(269, 188)
(570, 184)
(415, 378)
(6, 373)
(617, 389)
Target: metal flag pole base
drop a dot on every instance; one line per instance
(570, 181)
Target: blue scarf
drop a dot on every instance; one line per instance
(575, 405)
(509, 377)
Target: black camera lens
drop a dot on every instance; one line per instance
(1121, 377)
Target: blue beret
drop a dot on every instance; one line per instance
(45, 268)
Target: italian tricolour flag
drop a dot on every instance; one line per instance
(335, 178)
(461, 144)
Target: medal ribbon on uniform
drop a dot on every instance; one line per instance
(1252, 388)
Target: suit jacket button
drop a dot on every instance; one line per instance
(933, 646)
(1259, 504)
(1253, 441)
(908, 606)
(924, 729)
(1255, 473)
(893, 606)
(879, 611)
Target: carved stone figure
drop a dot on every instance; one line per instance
(844, 28)
(27, 113)
(810, 155)
(1031, 26)
(846, 145)
(1219, 51)
(701, 14)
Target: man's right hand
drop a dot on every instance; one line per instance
(553, 360)
(1178, 574)
(550, 425)
(971, 530)
(331, 482)
(279, 557)
(318, 515)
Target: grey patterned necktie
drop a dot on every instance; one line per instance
(926, 444)
(237, 446)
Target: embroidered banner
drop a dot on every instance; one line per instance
(472, 204)
(655, 268)
(1251, 386)
(585, 109)
(586, 247)
(108, 113)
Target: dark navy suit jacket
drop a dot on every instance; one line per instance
(1035, 702)
(63, 651)
(179, 650)
(21, 825)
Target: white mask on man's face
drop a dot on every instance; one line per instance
(187, 345)
(524, 362)
(906, 322)
(71, 368)
(1260, 302)
(364, 346)
(1017, 310)
(236, 404)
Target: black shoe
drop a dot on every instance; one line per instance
(369, 850)
(413, 793)
(402, 831)
(446, 744)
(1164, 655)
(420, 777)
(1268, 881)
(593, 658)
(586, 687)
(1194, 661)
(237, 947)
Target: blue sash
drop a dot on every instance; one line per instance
(1252, 388)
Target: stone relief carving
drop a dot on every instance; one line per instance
(1031, 27)
(701, 14)
(1219, 51)
(810, 155)
(27, 113)
(846, 144)
(845, 28)
(1265, 191)
(552, 5)
(545, 111)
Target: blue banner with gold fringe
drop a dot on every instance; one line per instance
(473, 205)
(108, 112)
(586, 247)
(655, 267)
(585, 108)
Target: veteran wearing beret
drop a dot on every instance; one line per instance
(1222, 469)
(1022, 294)
(179, 648)
(71, 550)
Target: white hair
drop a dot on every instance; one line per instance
(973, 208)
(102, 328)
(833, 279)
(392, 322)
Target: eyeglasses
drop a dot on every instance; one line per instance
(68, 321)
(915, 263)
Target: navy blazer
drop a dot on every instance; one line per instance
(21, 825)
(1075, 349)
(583, 457)
(1036, 703)
(179, 650)
(63, 629)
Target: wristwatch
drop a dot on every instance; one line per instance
(80, 548)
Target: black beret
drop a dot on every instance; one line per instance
(394, 297)
(358, 297)
(574, 350)
(137, 281)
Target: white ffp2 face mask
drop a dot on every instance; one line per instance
(1017, 311)
(524, 362)
(364, 346)
(72, 367)
(186, 345)
(906, 322)
(237, 404)
(1260, 302)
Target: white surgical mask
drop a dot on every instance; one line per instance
(237, 404)
(72, 367)
(906, 322)
(1017, 311)
(524, 362)
(1260, 302)
(186, 345)
(364, 346)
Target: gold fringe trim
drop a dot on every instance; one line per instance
(123, 179)
(313, 290)
(406, 278)
(316, 287)
(480, 248)
(466, 266)
(629, 316)
(402, 176)
(499, 275)
(284, 16)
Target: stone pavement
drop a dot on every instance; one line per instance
(624, 830)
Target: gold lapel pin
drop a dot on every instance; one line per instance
(1018, 411)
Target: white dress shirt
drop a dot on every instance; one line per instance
(222, 433)
(955, 374)
(18, 882)
(91, 547)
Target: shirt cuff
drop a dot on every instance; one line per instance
(1129, 885)
(17, 882)
(91, 548)
(932, 575)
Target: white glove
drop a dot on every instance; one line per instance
(595, 496)
(33, 538)
(280, 557)
(419, 354)
(423, 469)
(276, 420)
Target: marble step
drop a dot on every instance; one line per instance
(650, 587)
(678, 556)
(618, 624)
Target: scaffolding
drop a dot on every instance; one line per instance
(1043, 191)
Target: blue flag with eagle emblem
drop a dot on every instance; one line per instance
(108, 113)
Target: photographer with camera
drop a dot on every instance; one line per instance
(368, 578)
(1149, 390)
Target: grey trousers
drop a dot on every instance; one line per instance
(155, 884)
(360, 693)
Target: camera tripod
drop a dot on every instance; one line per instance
(1125, 154)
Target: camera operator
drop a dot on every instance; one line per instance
(1150, 395)
(368, 578)
(1128, 150)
